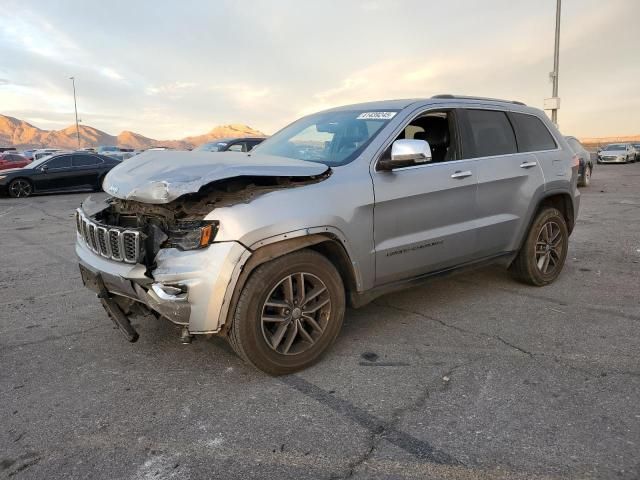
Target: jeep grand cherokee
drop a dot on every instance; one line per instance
(268, 247)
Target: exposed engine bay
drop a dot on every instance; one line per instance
(180, 223)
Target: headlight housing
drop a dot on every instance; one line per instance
(191, 235)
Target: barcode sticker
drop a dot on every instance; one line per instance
(376, 116)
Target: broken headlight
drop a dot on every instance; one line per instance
(191, 235)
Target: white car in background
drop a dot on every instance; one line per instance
(617, 153)
(44, 152)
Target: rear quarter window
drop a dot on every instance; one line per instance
(532, 134)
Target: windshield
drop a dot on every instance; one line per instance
(212, 147)
(39, 161)
(616, 146)
(331, 138)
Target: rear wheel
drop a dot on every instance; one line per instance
(289, 312)
(20, 187)
(544, 252)
(585, 180)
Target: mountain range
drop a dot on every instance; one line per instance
(22, 135)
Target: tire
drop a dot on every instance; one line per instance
(20, 187)
(526, 267)
(98, 186)
(585, 179)
(280, 347)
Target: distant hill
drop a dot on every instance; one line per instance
(20, 134)
(595, 142)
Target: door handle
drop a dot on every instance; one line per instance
(528, 164)
(461, 174)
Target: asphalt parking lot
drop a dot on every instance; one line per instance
(469, 377)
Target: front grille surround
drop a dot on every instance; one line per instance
(119, 244)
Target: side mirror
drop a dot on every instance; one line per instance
(44, 168)
(405, 153)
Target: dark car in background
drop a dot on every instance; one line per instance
(586, 163)
(11, 159)
(244, 144)
(57, 173)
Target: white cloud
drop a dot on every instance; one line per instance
(172, 89)
(242, 93)
(110, 73)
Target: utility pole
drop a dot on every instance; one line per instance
(553, 103)
(75, 106)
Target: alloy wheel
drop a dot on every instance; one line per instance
(295, 314)
(549, 245)
(20, 188)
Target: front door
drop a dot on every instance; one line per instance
(58, 175)
(424, 215)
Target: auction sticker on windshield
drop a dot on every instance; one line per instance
(376, 116)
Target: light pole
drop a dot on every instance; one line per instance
(556, 66)
(75, 106)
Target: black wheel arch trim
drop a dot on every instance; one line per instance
(325, 244)
(554, 198)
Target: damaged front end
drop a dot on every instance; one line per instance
(163, 259)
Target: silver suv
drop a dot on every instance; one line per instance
(267, 248)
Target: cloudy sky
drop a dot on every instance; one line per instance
(170, 69)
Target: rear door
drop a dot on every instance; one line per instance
(85, 170)
(424, 215)
(508, 178)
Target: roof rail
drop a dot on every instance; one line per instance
(463, 97)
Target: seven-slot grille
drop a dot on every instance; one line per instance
(110, 242)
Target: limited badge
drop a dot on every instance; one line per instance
(376, 115)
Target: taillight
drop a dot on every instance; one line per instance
(575, 161)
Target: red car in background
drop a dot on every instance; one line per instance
(12, 160)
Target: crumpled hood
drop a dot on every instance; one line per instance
(161, 176)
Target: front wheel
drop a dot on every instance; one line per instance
(98, 186)
(289, 312)
(541, 258)
(20, 188)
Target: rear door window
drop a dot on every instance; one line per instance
(85, 160)
(574, 144)
(533, 135)
(491, 133)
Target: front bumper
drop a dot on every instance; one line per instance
(612, 160)
(207, 278)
